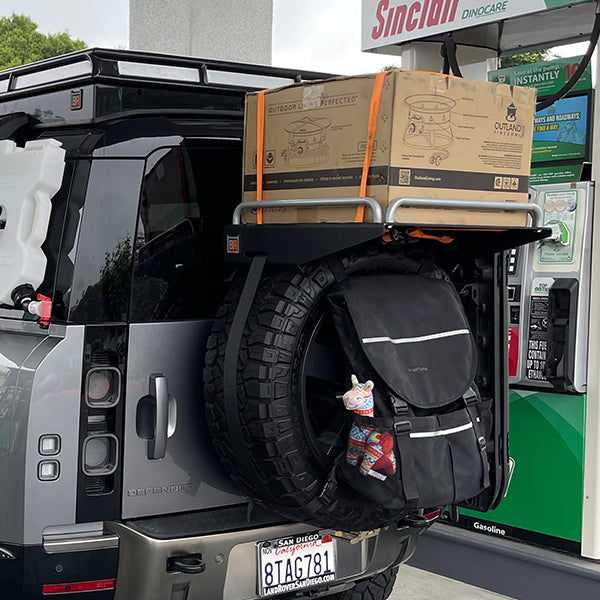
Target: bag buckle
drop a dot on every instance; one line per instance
(328, 492)
(471, 397)
(399, 406)
(482, 443)
(402, 427)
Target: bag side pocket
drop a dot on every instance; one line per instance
(469, 460)
(371, 462)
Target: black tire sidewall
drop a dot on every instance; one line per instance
(285, 310)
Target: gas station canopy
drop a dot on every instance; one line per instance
(504, 26)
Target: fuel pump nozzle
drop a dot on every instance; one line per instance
(560, 234)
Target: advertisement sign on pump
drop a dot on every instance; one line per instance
(546, 77)
(386, 22)
(561, 132)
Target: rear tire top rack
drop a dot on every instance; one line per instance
(533, 210)
(286, 243)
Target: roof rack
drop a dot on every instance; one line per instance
(98, 65)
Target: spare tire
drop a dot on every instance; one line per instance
(289, 380)
(378, 587)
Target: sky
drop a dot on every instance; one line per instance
(97, 22)
(303, 36)
(320, 35)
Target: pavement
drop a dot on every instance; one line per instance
(415, 584)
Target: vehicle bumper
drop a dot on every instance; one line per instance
(230, 561)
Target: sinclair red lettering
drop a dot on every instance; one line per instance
(435, 12)
(411, 21)
(389, 23)
(381, 7)
(412, 16)
(423, 14)
(400, 13)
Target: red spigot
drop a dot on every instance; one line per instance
(44, 310)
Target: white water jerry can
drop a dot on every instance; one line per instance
(29, 178)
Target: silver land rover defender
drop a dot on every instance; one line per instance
(119, 172)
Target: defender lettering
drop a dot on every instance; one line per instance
(164, 489)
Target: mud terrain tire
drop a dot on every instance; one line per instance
(378, 587)
(286, 393)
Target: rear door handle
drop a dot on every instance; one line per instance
(157, 445)
(156, 419)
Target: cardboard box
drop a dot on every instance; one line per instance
(436, 137)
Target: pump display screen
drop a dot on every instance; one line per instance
(561, 131)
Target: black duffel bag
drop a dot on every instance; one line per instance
(418, 437)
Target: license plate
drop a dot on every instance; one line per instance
(289, 564)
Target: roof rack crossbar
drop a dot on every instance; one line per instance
(98, 63)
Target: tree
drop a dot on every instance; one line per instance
(526, 58)
(22, 43)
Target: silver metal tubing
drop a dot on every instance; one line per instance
(309, 203)
(532, 209)
(80, 544)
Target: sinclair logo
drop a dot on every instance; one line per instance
(393, 20)
(386, 22)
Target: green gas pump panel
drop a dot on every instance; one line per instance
(548, 282)
(548, 293)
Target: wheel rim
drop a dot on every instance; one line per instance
(322, 376)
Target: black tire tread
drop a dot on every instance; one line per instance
(378, 587)
(270, 350)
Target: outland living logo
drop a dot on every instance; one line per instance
(509, 127)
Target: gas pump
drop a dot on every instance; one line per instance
(549, 308)
(548, 291)
(553, 286)
(549, 314)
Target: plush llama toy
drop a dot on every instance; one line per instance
(375, 450)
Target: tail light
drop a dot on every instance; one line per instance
(100, 454)
(103, 387)
(81, 586)
(101, 423)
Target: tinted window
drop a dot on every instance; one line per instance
(101, 283)
(114, 100)
(187, 196)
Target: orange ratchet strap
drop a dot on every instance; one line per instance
(444, 239)
(373, 114)
(260, 145)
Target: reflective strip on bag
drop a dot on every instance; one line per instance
(440, 432)
(412, 340)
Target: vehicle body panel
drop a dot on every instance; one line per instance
(46, 370)
(189, 477)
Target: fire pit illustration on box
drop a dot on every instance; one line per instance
(429, 125)
(307, 139)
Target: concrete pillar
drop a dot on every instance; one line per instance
(235, 30)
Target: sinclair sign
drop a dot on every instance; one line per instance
(387, 22)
